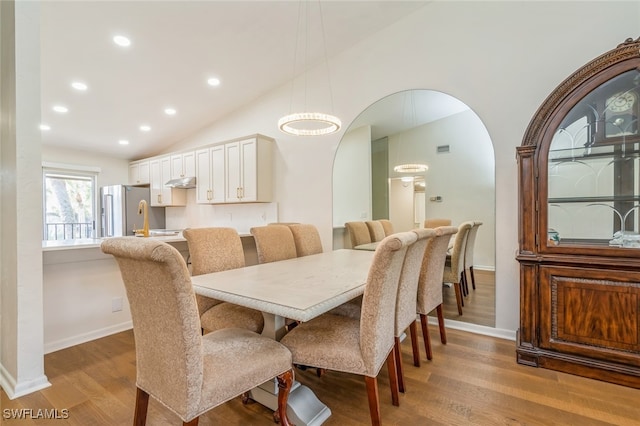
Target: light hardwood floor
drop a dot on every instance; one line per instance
(473, 380)
(479, 305)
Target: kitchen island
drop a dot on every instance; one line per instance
(84, 296)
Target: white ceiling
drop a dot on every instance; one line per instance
(176, 46)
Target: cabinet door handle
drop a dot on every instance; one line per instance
(159, 198)
(237, 192)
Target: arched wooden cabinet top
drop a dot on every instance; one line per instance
(582, 149)
(579, 214)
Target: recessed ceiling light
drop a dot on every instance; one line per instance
(123, 142)
(145, 128)
(121, 41)
(213, 81)
(45, 127)
(61, 109)
(78, 85)
(170, 111)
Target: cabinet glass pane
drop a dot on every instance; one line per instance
(594, 168)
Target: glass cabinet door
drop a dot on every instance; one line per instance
(594, 168)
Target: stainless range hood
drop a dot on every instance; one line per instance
(185, 182)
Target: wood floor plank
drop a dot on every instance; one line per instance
(472, 380)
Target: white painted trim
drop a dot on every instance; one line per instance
(477, 329)
(484, 268)
(75, 167)
(16, 390)
(86, 337)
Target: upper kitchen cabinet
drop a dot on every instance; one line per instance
(183, 165)
(248, 170)
(139, 172)
(210, 173)
(579, 234)
(162, 195)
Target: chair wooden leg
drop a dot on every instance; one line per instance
(374, 400)
(399, 372)
(459, 300)
(473, 277)
(142, 403)
(413, 329)
(193, 422)
(443, 331)
(393, 378)
(425, 335)
(285, 381)
(463, 284)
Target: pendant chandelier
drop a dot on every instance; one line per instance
(410, 167)
(309, 123)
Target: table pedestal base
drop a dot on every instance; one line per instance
(303, 407)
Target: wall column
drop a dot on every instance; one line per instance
(21, 293)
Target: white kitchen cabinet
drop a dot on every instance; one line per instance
(183, 165)
(139, 172)
(210, 172)
(161, 195)
(248, 170)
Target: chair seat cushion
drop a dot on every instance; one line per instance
(235, 360)
(229, 315)
(328, 341)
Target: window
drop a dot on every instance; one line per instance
(69, 203)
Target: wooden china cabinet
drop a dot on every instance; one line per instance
(579, 234)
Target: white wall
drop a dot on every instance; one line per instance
(500, 58)
(352, 178)
(463, 177)
(113, 171)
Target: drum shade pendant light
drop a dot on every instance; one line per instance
(309, 123)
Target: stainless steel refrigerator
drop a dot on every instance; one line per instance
(119, 209)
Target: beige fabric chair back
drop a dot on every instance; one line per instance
(358, 233)
(274, 243)
(165, 319)
(387, 226)
(436, 222)
(471, 242)
(213, 250)
(186, 372)
(375, 230)
(408, 286)
(307, 239)
(377, 320)
(430, 283)
(457, 253)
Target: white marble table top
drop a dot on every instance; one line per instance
(299, 289)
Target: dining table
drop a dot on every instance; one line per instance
(298, 289)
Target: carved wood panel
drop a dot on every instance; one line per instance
(591, 312)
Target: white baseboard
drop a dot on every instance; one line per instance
(16, 390)
(86, 337)
(477, 329)
(484, 268)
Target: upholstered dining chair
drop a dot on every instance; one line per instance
(274, 243)
(454, 270)
(359, 345)
(358, 233)
(185, 371)
(214, 250)
(468, 252)
(430, 283)
(387, 225)
(376, 230)
(405, 316)
(436, 222)
(306, 238)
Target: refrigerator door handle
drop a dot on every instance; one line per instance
(108, 215)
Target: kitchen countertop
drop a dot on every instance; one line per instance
(83, 243)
